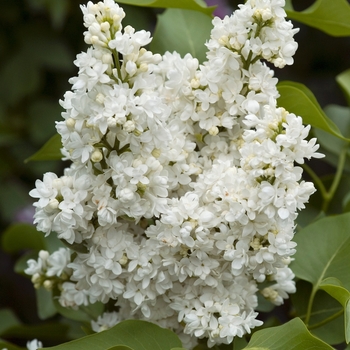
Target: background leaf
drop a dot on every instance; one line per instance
(181, 4)
(343, 79)
(324, 306)
(293, 335)
(140, 335)
(45, 305)
(298, 99)
(331, 17)
(8, 319)
(322, 258)
(50, 150)
(329, 238)
(22, 236)
(340, 115)
(334, 288)
(183, 31)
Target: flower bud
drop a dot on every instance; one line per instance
(96, 156)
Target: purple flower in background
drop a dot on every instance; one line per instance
(25, 214)
(222, 9)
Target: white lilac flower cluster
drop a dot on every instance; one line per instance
(183, 188)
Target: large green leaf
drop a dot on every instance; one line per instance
(334, 288)
(323, 251)
(293, 335)
(324, 307)
(140, 335)
(183, 31)
(50, 150)
(330, 16)
(341, 117)
(181, 4)
(22, 236)
(298, 99)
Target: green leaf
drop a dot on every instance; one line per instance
(8, 319)
(324, 307)
(322, 258)
(120, 347)
(45, 305)
(50, 150)
(58, 11)
(332, 17)
(323, 251)
(183, 31)
(180, 4)
(140, 335)
(22, 236)
(9, 346)
(343, 79)
(334, 288)
(293, 335)
(298, 99)
(341, 117)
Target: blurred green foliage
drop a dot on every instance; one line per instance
(39, 40)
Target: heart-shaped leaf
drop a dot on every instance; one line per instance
(181, 4)
(341, 117)
(323, 251)
(136, 334)
(324, 307)
(332, 17)
(298, 99)
(182, 31)
(334, 288)
(293, 335)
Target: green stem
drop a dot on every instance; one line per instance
(337, 178)
(326, 320)
(315, 178)
(309, 306)
(328, 195)
(117, 64)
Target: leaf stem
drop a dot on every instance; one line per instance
(326, 320)
(328, 195)
(315, 178)
(309, 306)
(117, 63)
(341, 163)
